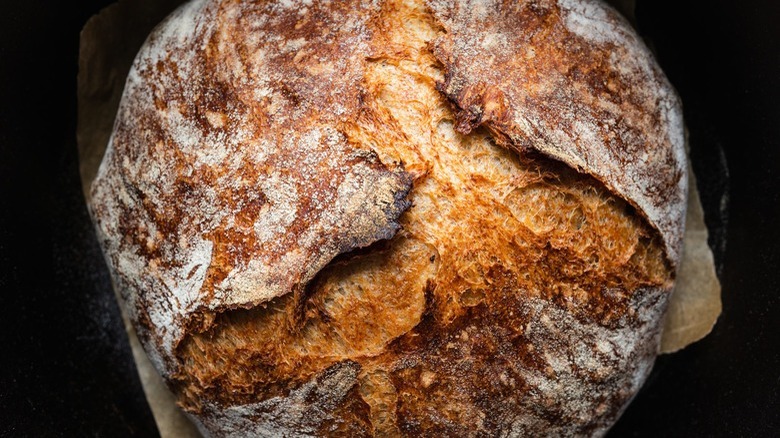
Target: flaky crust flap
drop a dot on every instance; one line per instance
(572, 80)
(221, 187)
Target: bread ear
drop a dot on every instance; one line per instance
(220, 192)
(572, 80)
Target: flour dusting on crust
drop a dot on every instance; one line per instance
(300, 414)
(227, 181)
(571, 79)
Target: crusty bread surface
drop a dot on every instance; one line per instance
(396, 218)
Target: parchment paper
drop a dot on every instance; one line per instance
(695, 304)
(109, 42)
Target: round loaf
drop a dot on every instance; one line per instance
(396, 218)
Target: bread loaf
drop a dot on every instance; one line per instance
(396, 218)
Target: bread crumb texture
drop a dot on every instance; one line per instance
(396, 218)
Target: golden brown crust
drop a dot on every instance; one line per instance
(571, 79)
(228, 197)
(519, 297)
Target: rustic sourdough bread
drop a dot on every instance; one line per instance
(444, 218)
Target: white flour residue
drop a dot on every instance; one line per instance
(588, 19)
(297, 415)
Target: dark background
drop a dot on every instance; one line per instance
(66, 367)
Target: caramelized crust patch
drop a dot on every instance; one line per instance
(354, 309)
(569, 78)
